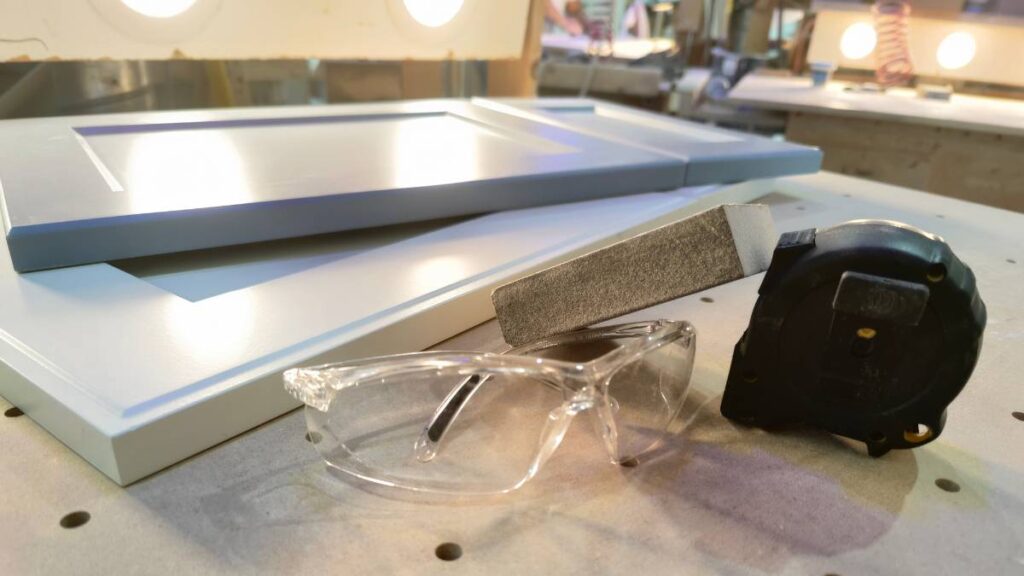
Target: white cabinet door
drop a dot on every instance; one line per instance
(98, 188)
(139, 365)
(711, 155)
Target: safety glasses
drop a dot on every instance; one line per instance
(480, 423)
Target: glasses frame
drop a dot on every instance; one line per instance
(584, 387)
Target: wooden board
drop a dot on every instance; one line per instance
(967, 148)
(720, 498)
(257, 29)
(975, 166)
(517, 77)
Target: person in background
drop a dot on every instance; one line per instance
(555, 14)
(635, 22)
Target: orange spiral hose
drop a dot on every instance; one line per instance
(893, 65)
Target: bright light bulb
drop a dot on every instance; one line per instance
(858, 41)
(159, 8)
(956, 50)
(433, 13)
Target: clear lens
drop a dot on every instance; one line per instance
(485, 424)
(645, 395)
(374, 430)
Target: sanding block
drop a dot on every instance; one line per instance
(719, 245)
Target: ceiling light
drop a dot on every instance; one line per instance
(159, 8)
(956, 50)
(433, 13)
(858, 41)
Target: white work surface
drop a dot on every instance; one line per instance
(718, 498)
(992, 115)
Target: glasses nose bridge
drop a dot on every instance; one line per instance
(583, 393)
(589, 397)
(596, 401)
(592, 397)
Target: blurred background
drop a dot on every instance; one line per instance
(684, 58)
(637, 51)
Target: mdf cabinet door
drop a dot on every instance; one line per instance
(78, 190)
(711, 155)
(142, 363)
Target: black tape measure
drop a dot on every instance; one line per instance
(868, 330)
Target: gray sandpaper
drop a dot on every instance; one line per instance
(719, 245)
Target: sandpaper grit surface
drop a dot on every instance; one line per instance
(677, 259)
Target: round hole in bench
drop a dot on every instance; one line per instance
(75, 519)
(448, 551)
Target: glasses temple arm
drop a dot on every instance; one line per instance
(430, 440)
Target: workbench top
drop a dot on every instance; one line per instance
(796, 94)
(718, 498)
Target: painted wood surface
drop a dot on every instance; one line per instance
(139, 184)
(140, 365)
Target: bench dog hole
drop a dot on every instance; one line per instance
(75, 519)
(448, 551)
